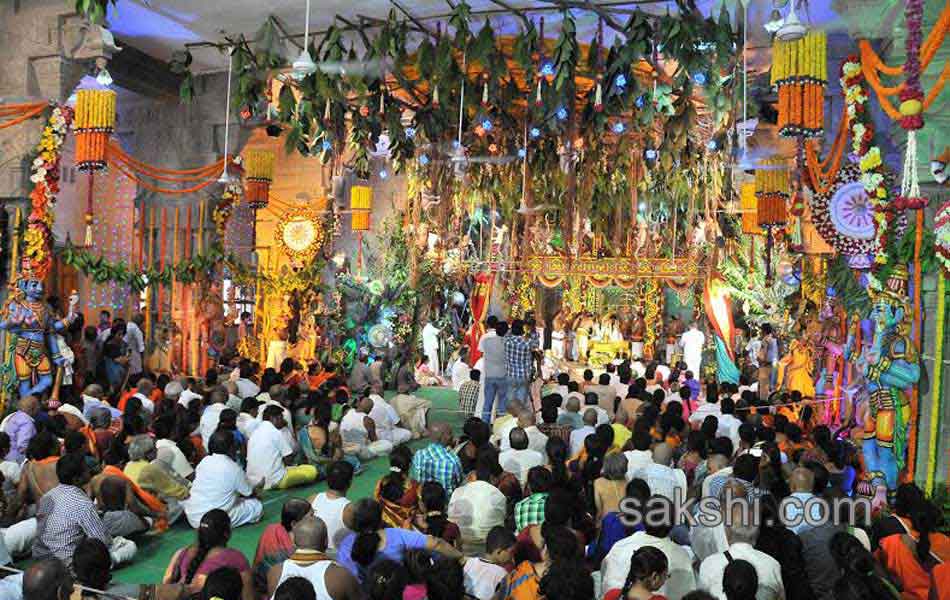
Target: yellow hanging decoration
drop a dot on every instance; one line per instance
(800, 72)
(361, 205)
(772, 192)
(258, 174)
(94, 122)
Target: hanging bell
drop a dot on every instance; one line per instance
(599, 97)
(537, 97)
(485, 94)
(435, 96)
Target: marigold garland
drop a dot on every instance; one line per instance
(799, 71)
(94, 123)
(868, 155)
(38, 238)
(772, 193)
(913, 102)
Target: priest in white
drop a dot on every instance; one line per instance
(430, 346)
(692, 342)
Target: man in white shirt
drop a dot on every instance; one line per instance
(742, 538)
(246, 387)
(616, 564)
(269, 456)
(707, 408)
(536, 440)
(519, 459)
(591, 400)
(247, 419)
(692, 342)
(728, 423)
(331, 504)
(144, 387)
(802, 484)
(386, 420)
(485, 573)
(212, 414)
(663, 480)
(579, 435)
(135, 340)
(495, 385)
(276, 396)
(476, 507)
(221, 483)
(641, 456)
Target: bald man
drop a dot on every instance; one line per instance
(580, 434)
(47, 580)
(436, 462)
(663, 479)
(537, 441)
(20, 427)
(802, 499)
(519, 458)
(309, 561)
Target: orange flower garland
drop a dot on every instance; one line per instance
(94, 123)
(799, 71)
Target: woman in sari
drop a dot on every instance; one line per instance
(908, 545)
(320, 445)
(398, 496)
(276, 545)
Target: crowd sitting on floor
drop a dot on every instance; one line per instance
(555, 488)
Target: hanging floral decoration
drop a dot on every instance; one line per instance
(38, 238)
(772, 193)
(868, 155)
(800, 72)
(224, 207)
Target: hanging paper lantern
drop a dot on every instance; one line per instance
(361, 204)
(749, 204)
(800, 72)
(94, 123)
(771, 191)
(258, 174)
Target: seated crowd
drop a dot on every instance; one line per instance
(560, 490)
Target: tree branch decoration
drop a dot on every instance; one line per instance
(410, 88)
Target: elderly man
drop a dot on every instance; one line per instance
(155, 476)
(437, 462)
(742, 537)
(663, 479)
(580, 434)
(144, 387)
(277, 396)
(92, 400)
(20, 427)
(519, 458)
(173, 390)
(536, 440)
(310, 562)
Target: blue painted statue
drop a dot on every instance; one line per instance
(30, 319)
(891, 367)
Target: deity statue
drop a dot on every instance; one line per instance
(891, 367)
(642, 236)
(30, 319)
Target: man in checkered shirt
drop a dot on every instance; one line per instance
(518, 358)
(437, 462)
(65, 515)
(468, 392)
